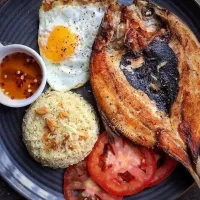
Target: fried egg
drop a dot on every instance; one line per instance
(66, 35)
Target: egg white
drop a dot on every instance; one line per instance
(83, 21)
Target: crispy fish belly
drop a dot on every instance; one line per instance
(145, 77)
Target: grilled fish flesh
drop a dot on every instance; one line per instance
(145, 75)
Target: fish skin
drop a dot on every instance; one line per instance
(129, 111)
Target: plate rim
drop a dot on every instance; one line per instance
(19, 182)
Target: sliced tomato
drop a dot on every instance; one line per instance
(121, 168)
(79, 186)
(165, 166)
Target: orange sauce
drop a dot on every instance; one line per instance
(20, 76)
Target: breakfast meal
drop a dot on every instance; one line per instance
(67, 31)
(146, 87)
(146, 83)
(20, 76)
(60, 129)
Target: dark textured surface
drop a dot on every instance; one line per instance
(19, 24)
(7, 193)
(193, 193)
(160, 83)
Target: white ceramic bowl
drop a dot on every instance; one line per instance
(14, 48)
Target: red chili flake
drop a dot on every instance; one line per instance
(2, 84)
(12, 97)
(6, 59)
(19, 82)
(39, 83)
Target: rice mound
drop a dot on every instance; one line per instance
(60, 129)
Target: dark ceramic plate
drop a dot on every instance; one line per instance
(19, 24)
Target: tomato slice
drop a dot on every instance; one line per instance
(121, 168)
(79, 186)
(165, 166)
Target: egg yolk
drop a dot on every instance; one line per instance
(60, 45)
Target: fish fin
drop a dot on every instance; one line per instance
(195, 176)
(198, 165)
(169, 144)
(112, 133)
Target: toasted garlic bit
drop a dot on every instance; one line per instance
(50, 124)
(72, 147)
(41, 111)
(50, 95)
(49, 144)
(84, 137)
(63, 143)
(60, 104)
(67, 137)
(63, 114)
(45, 137)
